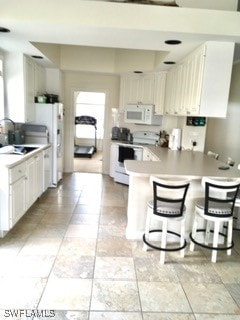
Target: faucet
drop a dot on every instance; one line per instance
(8, 119)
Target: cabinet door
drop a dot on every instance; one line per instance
(146, 89)
(159, 92)
(195, 67)
(17, 200)
(137, 89)
(30, 182)
(171, 85)
(39, 175)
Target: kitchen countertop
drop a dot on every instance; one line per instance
(10, 160)
(191, 164)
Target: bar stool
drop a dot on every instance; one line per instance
(168, 204)
(216, 208)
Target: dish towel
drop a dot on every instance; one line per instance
(125, 153)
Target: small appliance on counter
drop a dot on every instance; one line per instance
(175, 139)
(16, 137)
(120, 134)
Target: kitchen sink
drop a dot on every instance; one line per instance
(23, 149)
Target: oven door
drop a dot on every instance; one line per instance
(120, 172)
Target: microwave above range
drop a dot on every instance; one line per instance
(141, 114)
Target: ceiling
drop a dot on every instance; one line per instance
(137, 25)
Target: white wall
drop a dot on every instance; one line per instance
(223, 135)
(77, 81)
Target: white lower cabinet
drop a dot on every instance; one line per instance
(17, 194)
(20, 186)
(34, 174)
(149, 156)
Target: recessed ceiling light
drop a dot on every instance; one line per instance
(169, 62)
(37, 57)
(5, 30)
(173, 42)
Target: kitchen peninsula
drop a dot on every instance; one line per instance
(192, 165)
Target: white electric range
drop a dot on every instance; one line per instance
(132, 150)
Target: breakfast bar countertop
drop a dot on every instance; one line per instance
(190, 164)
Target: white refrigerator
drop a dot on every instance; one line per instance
(51, 115)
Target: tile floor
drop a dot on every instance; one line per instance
(69, 254)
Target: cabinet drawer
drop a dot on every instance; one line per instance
(17, 172)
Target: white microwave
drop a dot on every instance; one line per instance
(141, 114)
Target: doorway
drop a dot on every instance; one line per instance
(90, 104)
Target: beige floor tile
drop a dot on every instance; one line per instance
(229, 270)
(118, 268)
(10, 246)
(161, 297)
(106, 232)
(167, 316)
(82, 231)
(113, 216)
(65, 315)
(216, 317)
(115, 315)
(66, 294)
(45, 230)
(197, 272)
(41, 246)
(77, 247)
(210, 298)
(59, 219)
(85, 219)
(91, 208)
(151, 270)
(115, 296)
(234, 290)
(73, 267)
(31, 266)
(114, 248)
(55, 209)
(21, 293)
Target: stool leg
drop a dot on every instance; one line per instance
(194, 232)
(147, 228)
(238, 218)
(164, 241)
(215, 240)
(229, 236)
(182, 238)
(207, 234)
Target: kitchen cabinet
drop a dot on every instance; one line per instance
(34, 174)
(136, 89)
(24, 78)
(17, 194)
(199, 84)
(159, 92)
(148, 155)
(20, 186)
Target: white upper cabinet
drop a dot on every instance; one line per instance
(199, 85)
(159, 92)
(137, 89)
(24, 79)
(143, 88)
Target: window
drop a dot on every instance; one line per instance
(1, 89)
(90, 104)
